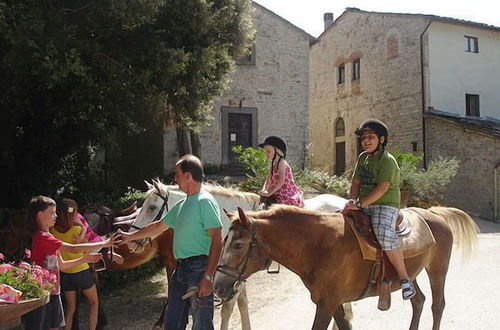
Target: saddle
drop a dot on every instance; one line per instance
(415, 238)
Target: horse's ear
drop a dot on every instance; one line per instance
(149, 185)
(243, 218)
(156, 185)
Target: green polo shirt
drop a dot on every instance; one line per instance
(371, 170)
(190, 218)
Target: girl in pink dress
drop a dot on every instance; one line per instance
(279, 186)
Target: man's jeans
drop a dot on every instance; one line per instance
(188, 274)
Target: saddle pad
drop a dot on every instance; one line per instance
(417, 241)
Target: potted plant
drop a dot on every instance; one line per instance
(23, 288)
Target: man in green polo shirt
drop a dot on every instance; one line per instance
(197, 247)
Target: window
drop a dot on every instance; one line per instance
(356, 72)
(341, 74)
(472, 105)
(248, 58)
(471, 45)
(340, 128)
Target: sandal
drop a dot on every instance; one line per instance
(408, 290)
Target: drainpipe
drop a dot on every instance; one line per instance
(495, 183)
(424, 142)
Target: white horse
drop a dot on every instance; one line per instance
(161, 197)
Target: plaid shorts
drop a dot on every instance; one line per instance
(384, 219)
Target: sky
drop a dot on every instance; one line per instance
(308, 14)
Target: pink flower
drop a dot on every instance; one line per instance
(2, 257)
(24, 265)
(27, 253)
(5, 268)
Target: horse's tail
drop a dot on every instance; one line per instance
(464, 228)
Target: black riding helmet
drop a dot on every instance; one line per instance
(374, 125)
(276, 142)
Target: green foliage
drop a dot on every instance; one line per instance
(74, 75)
(256, 165)
(32, 280)
(408, 165)
(131, 195)
(324, 182)
(430, 185)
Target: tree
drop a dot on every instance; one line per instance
(74, 74)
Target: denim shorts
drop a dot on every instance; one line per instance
(77, 281)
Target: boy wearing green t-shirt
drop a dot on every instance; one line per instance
(375, 191)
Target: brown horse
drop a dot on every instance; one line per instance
(323, 251)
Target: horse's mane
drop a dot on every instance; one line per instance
(228, 192)
(215, 190)
(279, 211)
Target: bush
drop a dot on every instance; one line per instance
(430, 185)
(408, 165)
(256, 165)
(324, 182)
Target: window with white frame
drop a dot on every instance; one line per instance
(471, 44)
(356, 69)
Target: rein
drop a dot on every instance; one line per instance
(238, 271)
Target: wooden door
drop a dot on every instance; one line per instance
(239, 133)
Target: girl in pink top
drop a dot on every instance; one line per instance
(279, 186)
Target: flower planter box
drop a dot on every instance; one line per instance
(10, 314)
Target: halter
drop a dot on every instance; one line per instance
(238, 271)
(158, 215)
(142, 242)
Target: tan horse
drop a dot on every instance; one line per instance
(323, 251)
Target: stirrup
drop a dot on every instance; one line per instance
(408, 291)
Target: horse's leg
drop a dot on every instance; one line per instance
(226, 311)
(346, 318)
(243, 307)
(323, 316)
(417, 304)
(342, 317)
(437, 281)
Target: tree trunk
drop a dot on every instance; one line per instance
(195, 143)
(183, 141)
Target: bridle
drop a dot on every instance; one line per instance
(238, 271)
(143, 242)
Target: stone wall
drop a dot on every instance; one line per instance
(277, 86)
(473, 189)
(388, 46)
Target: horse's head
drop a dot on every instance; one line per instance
(242, 256)
(160, 198)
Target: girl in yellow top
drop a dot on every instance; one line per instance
(79, 277)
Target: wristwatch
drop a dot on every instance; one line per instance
(209, 278)
(358, 204)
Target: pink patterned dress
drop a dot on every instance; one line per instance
(289, 193)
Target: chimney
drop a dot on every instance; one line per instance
(328, 19)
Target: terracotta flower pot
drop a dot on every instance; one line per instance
(10, 313)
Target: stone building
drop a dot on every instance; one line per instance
(268, 95)
(400, 68)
